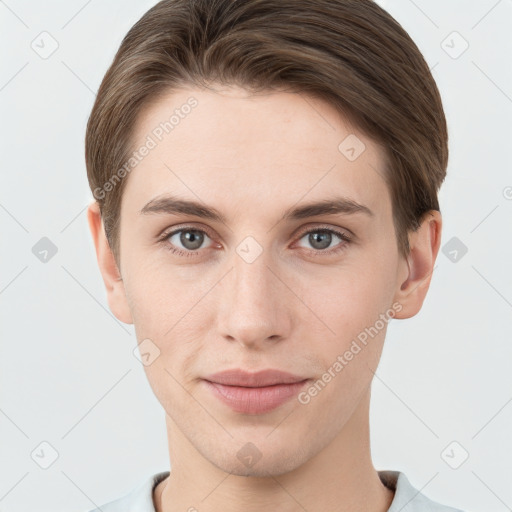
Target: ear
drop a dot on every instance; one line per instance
(417, 268)
(108, 267)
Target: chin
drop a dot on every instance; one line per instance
(270, 461)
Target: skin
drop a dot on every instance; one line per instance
(251, 157)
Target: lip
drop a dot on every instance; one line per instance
(254, 392)
(267, 377)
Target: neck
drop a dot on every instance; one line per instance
(340, 477)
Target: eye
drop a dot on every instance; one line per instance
(186, 241)
(321, 239)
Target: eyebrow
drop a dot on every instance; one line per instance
(174, 205)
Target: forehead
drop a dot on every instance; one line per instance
(255, 149)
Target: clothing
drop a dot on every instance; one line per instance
(406, 499)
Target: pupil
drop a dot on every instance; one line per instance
(191, 239)
(315, 237)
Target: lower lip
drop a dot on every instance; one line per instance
(255, 400)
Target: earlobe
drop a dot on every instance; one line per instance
(419, 265)
(114, 285)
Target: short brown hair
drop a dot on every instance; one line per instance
(350, 53)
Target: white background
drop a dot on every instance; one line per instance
(67, 373)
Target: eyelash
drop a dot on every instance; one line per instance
(316, 252)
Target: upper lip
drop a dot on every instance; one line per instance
(268, 377)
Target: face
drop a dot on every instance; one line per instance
(252, 279)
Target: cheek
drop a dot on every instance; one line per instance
(168, 311)
(352, 298)
(351, 307)
(152, 292)
(351, 303)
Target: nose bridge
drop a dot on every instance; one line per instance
(251, 281)
(253, 311)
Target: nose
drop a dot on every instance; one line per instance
(253, 303)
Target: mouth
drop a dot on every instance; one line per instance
(254, 393)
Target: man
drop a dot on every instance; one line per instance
(266, 176)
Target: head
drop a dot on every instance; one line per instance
(263, 113)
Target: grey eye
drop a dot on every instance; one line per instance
(320, 239)
(190, 239)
